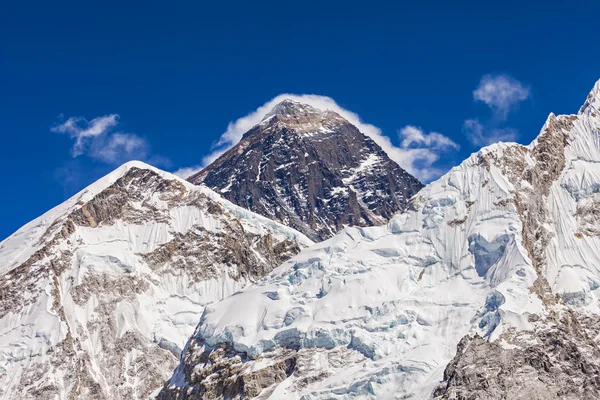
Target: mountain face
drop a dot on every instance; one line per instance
(485, 288)
(311, 170)
(99, 295)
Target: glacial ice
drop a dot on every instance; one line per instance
(401, 296)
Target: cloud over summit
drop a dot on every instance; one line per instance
(416, 153)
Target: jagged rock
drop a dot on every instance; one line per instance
(311, 170)
(562, 362)
(225, 374)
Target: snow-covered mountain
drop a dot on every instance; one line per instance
(312, 170)
(99, 295)
(500, 257)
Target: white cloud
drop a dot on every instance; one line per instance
(186, 172)
(412, 135)
(95, 139)
(480, 136)
(118, 147)
(501, 93)
(420, 150)
(82, 130)
(474, 131)
(407, 156)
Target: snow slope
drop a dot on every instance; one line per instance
(99, 295)
(496, 247)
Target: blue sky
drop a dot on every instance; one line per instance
(85, 86)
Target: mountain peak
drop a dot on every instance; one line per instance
(301, 118)
(593, 99)
(289, 107)
(311, 169)
(102, 292)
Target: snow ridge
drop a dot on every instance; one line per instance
(99, 295)
(500, 247)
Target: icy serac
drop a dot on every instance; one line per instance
(99, 295)
(500, 257)
(311, 170)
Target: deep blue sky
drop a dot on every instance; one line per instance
(178, 72)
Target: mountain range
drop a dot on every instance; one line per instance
(304, 263)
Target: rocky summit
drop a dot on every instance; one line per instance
(312, 170)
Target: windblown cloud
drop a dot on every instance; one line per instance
(82, 130)
(480, 136)
(412, 135)
(420, 151)
(413, 157)
(501, 93)
(96, 139)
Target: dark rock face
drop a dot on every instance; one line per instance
(311, 170)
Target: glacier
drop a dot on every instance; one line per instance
(499, 249)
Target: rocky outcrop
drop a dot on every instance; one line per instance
(558, 359)
(311, 170)
(253, 255)
(226, 375)
(116, 202)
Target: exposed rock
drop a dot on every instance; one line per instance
(311, 170)
(252, 255)
(225, 375)
(558, 360)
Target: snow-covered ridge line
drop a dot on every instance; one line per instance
(22, 244)
(502, 246)
(115, 281)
